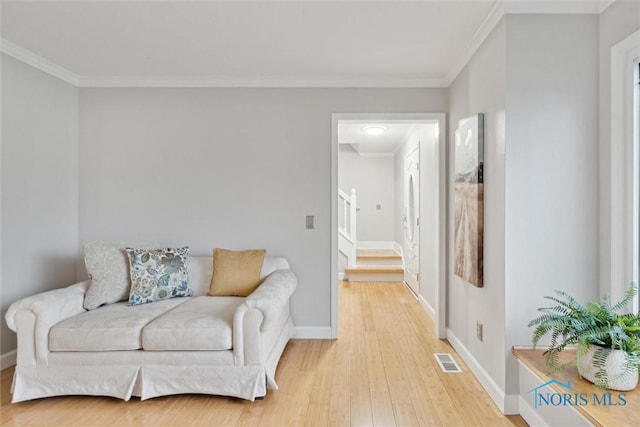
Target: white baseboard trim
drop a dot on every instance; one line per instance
(398, 249)
(341, 275)
(508, 404)
(529, 414)
(8, 360)
(511, 404)
(313, 332)
(427, 307)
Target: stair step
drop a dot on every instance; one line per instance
(377, 255)
(375, 273)
(377, 251)
(374, 269)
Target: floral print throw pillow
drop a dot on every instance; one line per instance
(158, 274)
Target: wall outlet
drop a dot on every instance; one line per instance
(479, 331)
(378, 207)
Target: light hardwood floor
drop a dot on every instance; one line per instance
(380, 372)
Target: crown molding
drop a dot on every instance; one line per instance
(504, 7)
(158, 82)
(497, 11)
(604, 4)
(55, 70)
(493, 17)
(555, 6)
(38, 62)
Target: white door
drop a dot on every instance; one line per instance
(412, 220)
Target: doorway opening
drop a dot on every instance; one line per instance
(389, 192)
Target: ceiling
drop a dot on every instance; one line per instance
(324, 43)
(395, 43)
(351, 133)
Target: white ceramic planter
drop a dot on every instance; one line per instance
(614, 367)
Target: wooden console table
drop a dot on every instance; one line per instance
(625, 413)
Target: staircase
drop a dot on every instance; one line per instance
(364, 261)
(376, 265)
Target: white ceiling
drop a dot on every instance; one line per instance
(250, 43)
(351, 133)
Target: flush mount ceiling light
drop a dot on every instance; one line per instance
(374, 129)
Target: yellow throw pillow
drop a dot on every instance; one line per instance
(236, 273)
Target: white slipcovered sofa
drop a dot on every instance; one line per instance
(202, 344)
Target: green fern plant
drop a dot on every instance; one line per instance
(571, 323)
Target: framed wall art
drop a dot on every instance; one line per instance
(469, 199)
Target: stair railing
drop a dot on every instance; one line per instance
(347, 224)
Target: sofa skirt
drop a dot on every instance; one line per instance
(245, 382)
(105, 374)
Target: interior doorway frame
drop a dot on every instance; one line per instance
(409, 118)
(617, 261)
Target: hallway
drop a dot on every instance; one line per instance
(390, 370)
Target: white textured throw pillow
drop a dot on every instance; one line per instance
(108, 268)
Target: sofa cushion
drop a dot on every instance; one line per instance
(108, 328)
(108, 268)
(202, 323)
(236, 273)
(158, 274)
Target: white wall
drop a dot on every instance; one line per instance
(235, 168)
(551, 181)
(617, 22)
(535, 79)
(372, 177)
(39, 185)
(480, 88)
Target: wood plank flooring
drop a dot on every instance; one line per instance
(380, 372)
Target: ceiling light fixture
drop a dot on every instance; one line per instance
(374, 129)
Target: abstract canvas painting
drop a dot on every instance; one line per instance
(469, 199)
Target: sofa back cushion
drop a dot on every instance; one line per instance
(201, 271)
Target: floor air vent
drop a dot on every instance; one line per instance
(447, 364)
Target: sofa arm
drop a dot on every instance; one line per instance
(265, 309)
(32, 317)
(272, 296)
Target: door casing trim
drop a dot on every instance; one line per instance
(439, 119)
